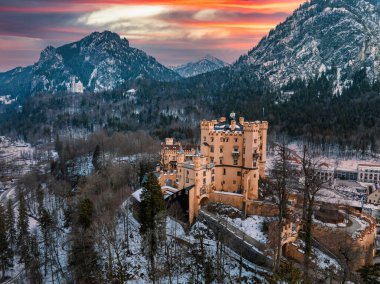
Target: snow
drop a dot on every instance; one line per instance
(137, 194)
(322, 260)
(362, 226)
(253, 226)
(227, 193)
(7, 100)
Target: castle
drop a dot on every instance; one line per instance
(225, 168)
(75, 85)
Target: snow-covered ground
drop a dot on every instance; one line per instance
(319, 258)
(253, 226)
(17, 156)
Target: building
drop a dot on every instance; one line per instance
(228, 165)
(75, 85)
(369, 173)
(169, 153)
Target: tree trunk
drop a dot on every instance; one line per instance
(279, 237)
(308, 244)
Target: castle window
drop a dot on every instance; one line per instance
(204, 173)
(236, 140)
(235, 162)
(212, 149)
(243, 150)
(221, 139)
(187, 172)
(226, 140)
(204, 138)
(212, 139)
(236, 148)
(220, 161)
(204, 181)
(239, 174)
(255, 141)
(221, 149)
(212, 159)
(187, 180)
(224, 172)
(212, 178)
(196, 174)
(212, 171)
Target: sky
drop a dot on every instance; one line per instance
(174, 32)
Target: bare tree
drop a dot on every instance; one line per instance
(281, 174)
(311, 184)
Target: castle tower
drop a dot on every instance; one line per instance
(232, 157)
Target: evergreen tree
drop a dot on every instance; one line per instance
(287, 274)
(152, 216)
(10, 220)
(5, 249)
(152, 203)
(23, 230)
(96, 161)
(370, 274)
(85, 213)
(34, 265)
(46, 223)
(83, 259)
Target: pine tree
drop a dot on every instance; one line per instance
(152, 213)
(96, 162)
(152, 203)
(370, 274)
(83, 259)
(34, 265)
(10, 220)
(23, 230)
(85, 213)
(46, 223)
(5, 249)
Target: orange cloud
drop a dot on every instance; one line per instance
(172, 31)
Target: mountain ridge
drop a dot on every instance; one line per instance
(336, 37)
(101, 61)
(206, 64)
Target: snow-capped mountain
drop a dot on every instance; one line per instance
(101, 61)
(338, 37)
(206, 64)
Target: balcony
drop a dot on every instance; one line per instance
(235, 153)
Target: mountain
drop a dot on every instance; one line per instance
(101, 61)
(206, 64)
(335, 37)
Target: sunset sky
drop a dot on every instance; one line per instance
(174, 32)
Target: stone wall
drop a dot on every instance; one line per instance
(359, 249)
(293, 252)
(262, 208)
(233, 199)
